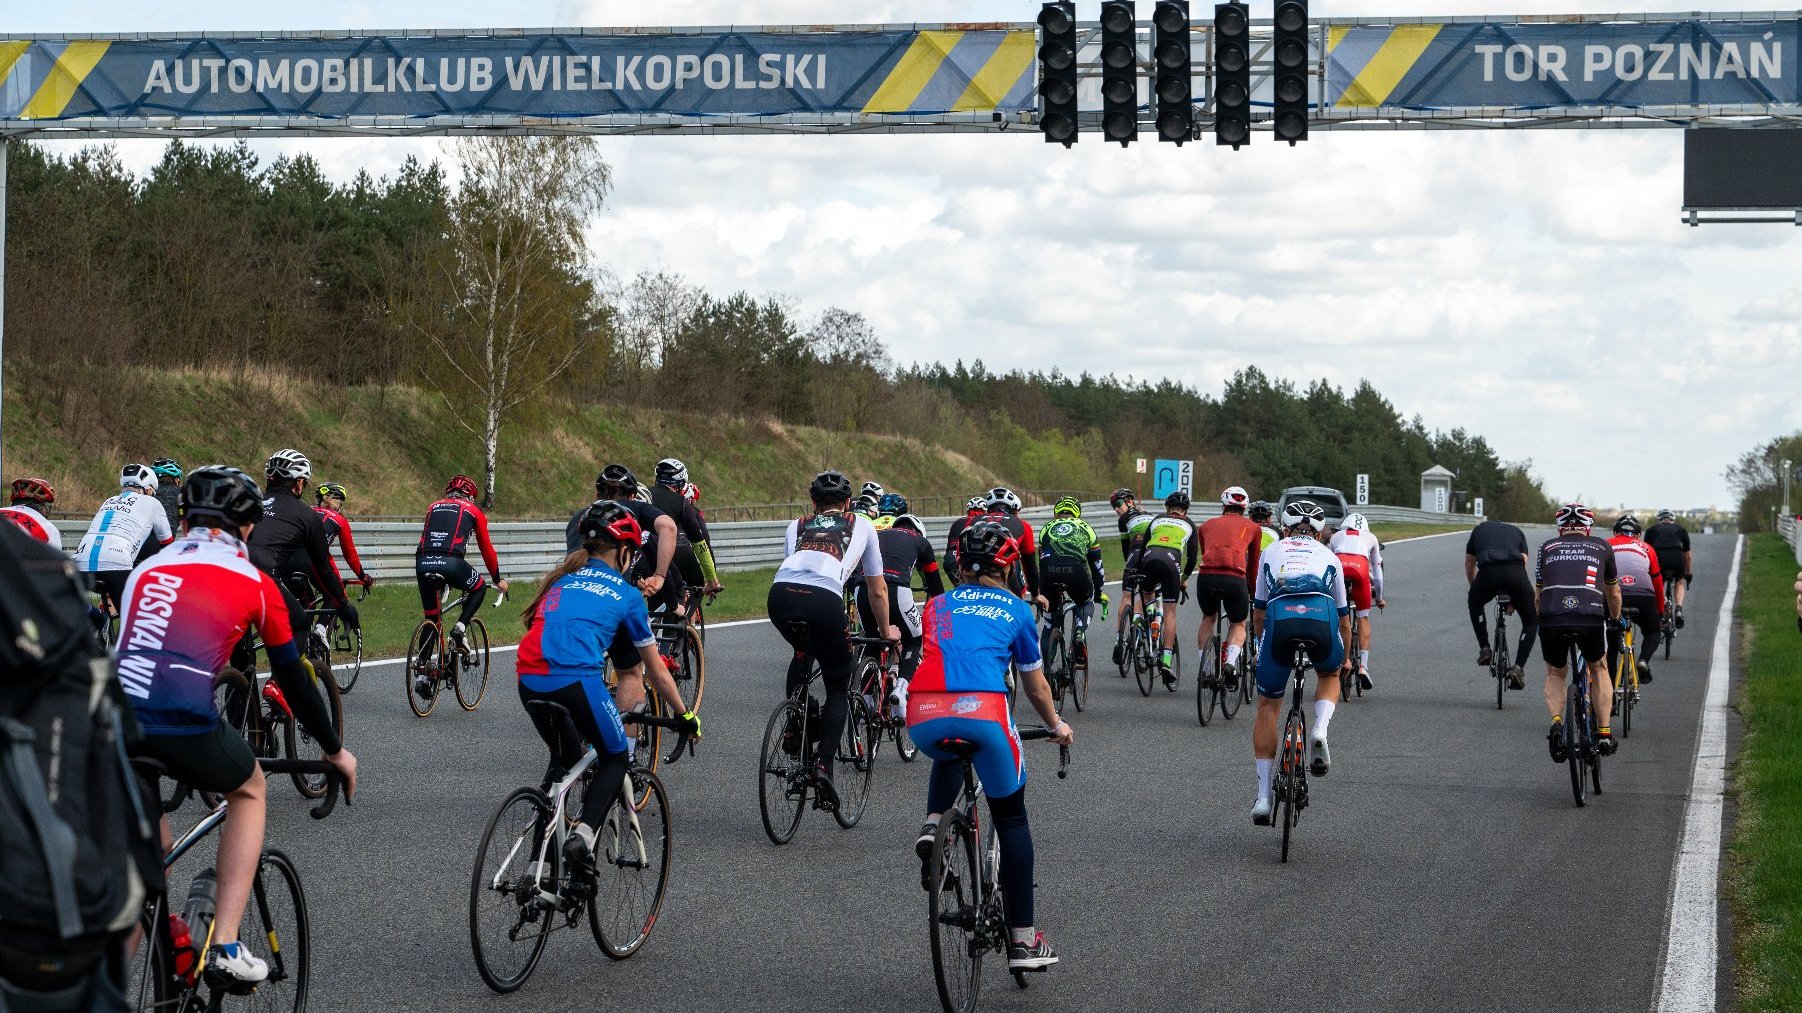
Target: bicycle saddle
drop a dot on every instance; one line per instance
(960, 748)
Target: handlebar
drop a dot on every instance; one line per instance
(334, 781)
(1063, 752)
(659, 721)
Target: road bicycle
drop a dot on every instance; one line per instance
(787, 780)
(1144, 644)
(964, 903)
(331, 638)
(1349, 685)
(1500, 654)
(878, 671)
(1582, 754)
(169, 973)
(1066, 655)
(522, 888)
(1211, 691)
(682, 647)
(1626, 681)
(1667, 623)
(463, 667)
(252, 703)
(1289, 778)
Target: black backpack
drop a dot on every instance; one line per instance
(76, 851)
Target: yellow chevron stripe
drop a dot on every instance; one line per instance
(913, 73)
(998, 76)
(9, 55)
(1336, 34)
(73, 67)
(1385, 70)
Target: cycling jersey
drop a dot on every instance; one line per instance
(1132, 531)
(972, 631)
(1667, 537)
(904, 551)
(1347, 542)
(1300, 566)
(337, 532)
(1637, 565)
(448, 525)
(1572, 572)
(34, 524)
(290, 538)
(1268, 536)
(958, 524)
(1069, 543)
(823, 549)
(1026, 573)
(1230, 544)
(1493, 542)
(125, 522)
(582, 616)
(1301, 591)
(168, 493)
(694, 556)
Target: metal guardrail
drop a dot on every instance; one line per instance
(1791, 531)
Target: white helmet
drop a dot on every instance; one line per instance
(137, 476)
(1235, 496)
(872, 490)
(1002, 496)
(288, 464)
(1303, 511)
(1354, 522)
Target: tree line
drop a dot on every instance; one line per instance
(485, 292)
(1758, 479)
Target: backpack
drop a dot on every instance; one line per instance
(76, 845)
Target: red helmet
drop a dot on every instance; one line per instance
(33, 489)
(987, 546)
(461, 485)
(607, 519)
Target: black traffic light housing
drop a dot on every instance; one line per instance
(1289, 82)
(1119, 71)
(1057, 72)
(1172, 70)
(1232, 74)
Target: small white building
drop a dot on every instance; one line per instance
(1436, 489)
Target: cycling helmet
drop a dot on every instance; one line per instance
(1235, 496)
(1304, 513)
(1667, 515)
(461, 485)
(1354, 522)
(1627, 524)
(1121, 495)
(672, 473)
(909, 521)
(987, 547)
(864, 505)
(606, 519)
(829, 487)
(892, 504)
(1261, 511)
(1178, 500)
(1067, 505)
(642, 494)
(288, 465)
(1003, 498)
(976, 504)
(330, 490)
(1575, 515)
(166, 466)
(616, 477)
(32, 490)
(224, 492)
(873, 490)
(136, 476)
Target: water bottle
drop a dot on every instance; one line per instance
(202, 896)
(184, 959)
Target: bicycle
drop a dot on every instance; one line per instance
(964, 903)
(464, 668)
(169, 972)
(1581, 752)
(1347, 686)
(1290, 777)
(1210, 687)
(328, 634)
(878, 669)
(1626, 681)
(1067, 673)
(1667, 623)
(1145, 643)
(516, 901)
(648, 747)
(253, 704)
(786, 776)
(681, 645)
(1499, 655)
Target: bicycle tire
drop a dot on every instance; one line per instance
(692, 655)
(648, 751)
(634, 897)
(1573, 747)
(1140, 657)
(1625, 683)
(1593, 758)
(301, 745)
(1057, 660)
(422, 706)
(1498, 659)
(1294, 774)
(781, 791)
(466, 668)
(1176, 666)
(1079, 680)
(1248, 661)
(1204, 697)
(279, 938)
(854, 761)
(347, 642)
(904, 743)
(1229, 698)
(954, 913)
(498, 889)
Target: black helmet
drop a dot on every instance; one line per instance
(672, 472)
(616, 476)
(222, 491)
(607, 519)
(1121, 495)
(1260, 510)
(1627, 525)
(1178, 500)
(331, 489)
(987, 547)
(830, 487)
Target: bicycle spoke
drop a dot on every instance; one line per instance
(632, 856)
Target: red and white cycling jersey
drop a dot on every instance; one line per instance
(34, 524)
(1637, 563)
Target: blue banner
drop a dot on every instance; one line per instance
(887, 71)
(1170, 476)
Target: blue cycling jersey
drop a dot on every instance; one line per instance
(971, 633)
(580, 616)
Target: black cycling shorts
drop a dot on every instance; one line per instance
(1670, 564)
(1160, 572)
(1494, 579)
(217, 760)
(455, 570)
(1218, 592)
(1555, 643)
(1059, 577)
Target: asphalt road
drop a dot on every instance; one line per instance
(1441, 865)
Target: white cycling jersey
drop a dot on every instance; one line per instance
(119, 530)
(824, 549)
(1302, 566)
(1348, 542)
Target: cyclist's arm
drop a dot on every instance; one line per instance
(1096, 570)
(637, 626)
(319, 560)
(159, 524)
(292, 673)
(704, 555)
(486, 544)
(1190, 553)
(928, 564)
(1376, 572)
(1657, 581)
(666, 543)
(350, 548)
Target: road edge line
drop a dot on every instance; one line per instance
(1688, 964)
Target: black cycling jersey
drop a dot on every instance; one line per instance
(904, 551)
(1667, 538)
(1496, 542)
(1029, 552)
(958, 525)
(691, 527)
(1128, 544)
(290, 538)
(646, 515)
(1572, 577)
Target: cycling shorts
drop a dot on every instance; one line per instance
(1670, 565)
(979, 718)
(1291, 622)
(455, 570)
(1357, 581)
(1223, 592)
(1161, 572)
(902, 612)
(590, 706)
(1555, 643)
(216, 760)
(1058, 577)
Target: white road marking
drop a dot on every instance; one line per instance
(1691, 948)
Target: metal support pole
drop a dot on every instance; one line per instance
(1786, 471)
(3, 144)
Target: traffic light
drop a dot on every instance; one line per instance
(1119, 72)
(1232, 74)
(1171, 70)
(1057, 72)
(1289, 83)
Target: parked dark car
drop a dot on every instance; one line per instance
(1332, 501)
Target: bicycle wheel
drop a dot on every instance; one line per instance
(508, 925)
(694, 668)
(1498, 665)
(781, 784)
(649, 750)
(347, 644)
(1593, 755)
(1574, 745)
(1230, 698)
(426, 632)
(1079, 679)
(904, 742)
(1623, 689)
(1176, 666)
(1204, 695)
(954, 913)
(1057, 661)
(632, 854)
(275, 929)
(1143, 668)
(1248, 675)
(470, 670)
(853, 762)
(302, 746)
(1294, 774)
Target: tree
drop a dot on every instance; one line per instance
(1758, 478)
(510, 302)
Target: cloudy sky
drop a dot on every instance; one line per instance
(1537, 288)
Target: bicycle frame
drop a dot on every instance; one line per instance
(559, 826)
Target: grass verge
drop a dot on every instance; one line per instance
(1764, 880)
(1395, 532)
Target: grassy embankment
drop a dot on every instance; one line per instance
(1764, 869)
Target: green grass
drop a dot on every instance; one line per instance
(1764, 880)
(1394, 532)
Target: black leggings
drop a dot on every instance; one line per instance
(1643, 610)
(910, 644)
(457, 574)
(1509, 579)
(813, 621)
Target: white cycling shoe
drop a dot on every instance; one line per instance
(1261, 809)
(237, 963)
(1321, 758)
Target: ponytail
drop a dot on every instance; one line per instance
(571, 563)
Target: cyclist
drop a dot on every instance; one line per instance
(123, 525)
(443, 540)
(1579, 587)
(872, 491)
(1670, 540)
(586, 615)
(1261, 513)
(1133, 523)
(960, 692)
(30, 497)
(1070, 563)
(1229, 548)
(807, 604)
(974, 507)
(1003, 507)
(1495, 563)
(1164, 565)
(182, 613)
(693, 552)
(1304, 580)
(168, 488)
(653, 573)
(1362, 556)
(865, 506)
(328, 503)
(904, 549)
(1642, 591)
(291, 539)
